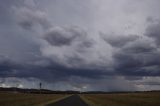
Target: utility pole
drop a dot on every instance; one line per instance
(40, 87)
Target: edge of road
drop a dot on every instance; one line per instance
(55, 100)
(88, 102)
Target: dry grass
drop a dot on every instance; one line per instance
(129, 99)
(19, 99)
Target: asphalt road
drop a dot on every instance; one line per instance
(74, 100)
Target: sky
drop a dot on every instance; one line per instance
(85, 45)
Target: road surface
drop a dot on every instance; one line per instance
(74, 100)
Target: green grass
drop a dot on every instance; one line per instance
(126, 99)
(20, 99)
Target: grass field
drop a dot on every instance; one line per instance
(126, 99)
(19, 99)
(121, 99)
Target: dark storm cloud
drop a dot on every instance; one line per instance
(8, 67)
(30, 18)
(51, 72)
(138, 57)
(61, 43)
(137, 64)
(154, 32)
(142, 45)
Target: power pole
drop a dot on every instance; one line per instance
(40, 87)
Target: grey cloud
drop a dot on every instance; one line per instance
(137, 64)
(137, 58)
(71, 46)
(59, 36)
(153, 31)
(78, 45)
(136, 55)
(29, 18)
(141, 45)
(50, 72)
(7, 67)
(119, 41)
(73, 56)
(78, 50)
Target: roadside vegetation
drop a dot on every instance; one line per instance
(124, 99)
(21, 99)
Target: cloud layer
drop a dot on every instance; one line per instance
(118, 52)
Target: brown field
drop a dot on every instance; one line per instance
(19, 99)
(126, 99)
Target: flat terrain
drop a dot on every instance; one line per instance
(19, 99)
(74, 100)
(124, 99)
(115, 99)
